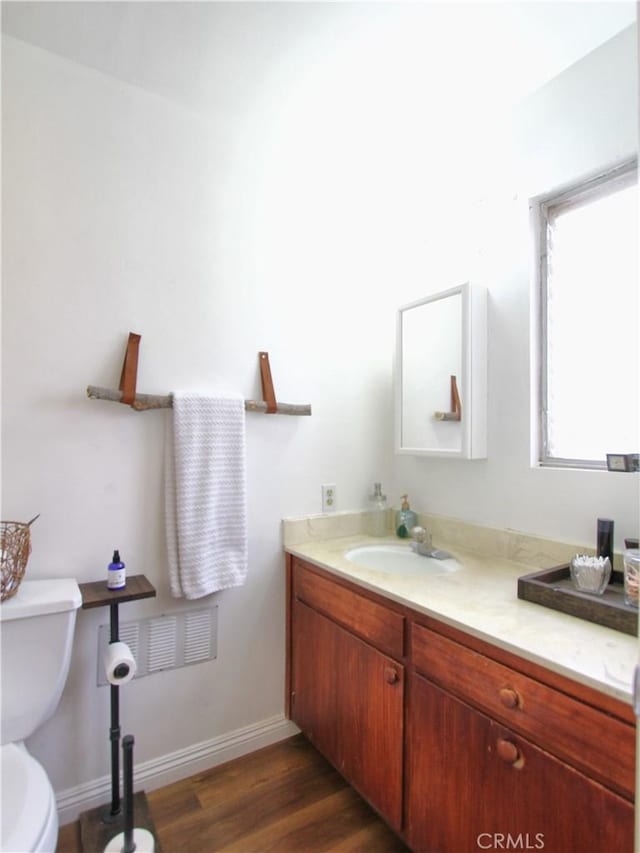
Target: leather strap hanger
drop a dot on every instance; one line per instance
(129, 375)
(455, 414)
(268, 394)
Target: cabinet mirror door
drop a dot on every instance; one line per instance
(441, 374)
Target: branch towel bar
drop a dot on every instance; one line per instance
(141, 402)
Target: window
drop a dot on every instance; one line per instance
(589, 382)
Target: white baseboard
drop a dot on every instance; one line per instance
(177, 765)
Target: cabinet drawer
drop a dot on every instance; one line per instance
(602, 745)
(380, 626)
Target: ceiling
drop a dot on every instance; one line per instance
(191, 52)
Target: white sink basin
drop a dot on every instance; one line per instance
(399, 559)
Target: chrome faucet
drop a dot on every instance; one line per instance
(421, 544)
(421, 541)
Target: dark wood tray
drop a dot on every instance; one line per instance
(554, 588)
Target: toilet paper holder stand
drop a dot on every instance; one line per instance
(96, 594)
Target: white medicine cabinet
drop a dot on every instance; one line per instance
(441, 374)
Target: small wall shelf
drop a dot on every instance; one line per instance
(97, 594)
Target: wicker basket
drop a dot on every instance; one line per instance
(15, 547)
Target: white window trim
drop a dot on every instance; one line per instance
(622, 175)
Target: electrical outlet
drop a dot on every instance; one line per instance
(328, 497)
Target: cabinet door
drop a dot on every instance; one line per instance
(348, 699)
(473, 785)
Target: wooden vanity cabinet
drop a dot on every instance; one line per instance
(460, 745)
(473, 784)
(494, 753)
(347, 693)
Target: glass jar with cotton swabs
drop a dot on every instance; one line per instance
(590, 574)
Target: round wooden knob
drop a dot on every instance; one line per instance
(507, 750)
(509, 697)
(391, 675)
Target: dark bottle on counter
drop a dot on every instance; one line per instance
(604, 542)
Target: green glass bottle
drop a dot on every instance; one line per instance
(406, 519)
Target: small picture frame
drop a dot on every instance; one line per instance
(627, 462)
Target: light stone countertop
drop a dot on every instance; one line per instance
(481, 597)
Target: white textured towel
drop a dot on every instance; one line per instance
(206, 494)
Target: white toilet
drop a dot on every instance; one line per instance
(37, 627)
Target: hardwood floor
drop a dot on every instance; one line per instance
(285, 798)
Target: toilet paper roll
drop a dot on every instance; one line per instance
(119, 663)
(143, 842)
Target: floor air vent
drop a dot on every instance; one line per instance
(165, 642)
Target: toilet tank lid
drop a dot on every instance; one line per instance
(38, 597)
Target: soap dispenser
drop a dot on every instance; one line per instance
(406, 519)
(378, 512)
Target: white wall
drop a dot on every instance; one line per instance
(124, 211)
(296, 221)
(581, 122)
